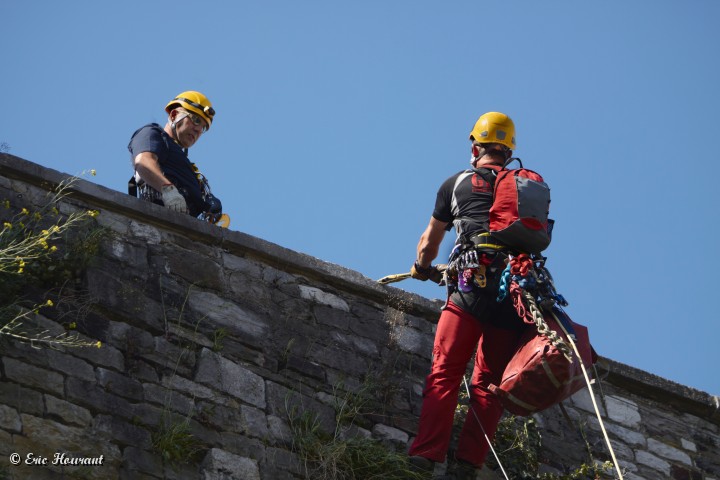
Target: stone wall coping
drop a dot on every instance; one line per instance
(99, 197)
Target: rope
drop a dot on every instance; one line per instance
(528, 310)
(483, 429)
(592, 397)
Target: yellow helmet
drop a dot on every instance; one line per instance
(494, 127)
(195, 102)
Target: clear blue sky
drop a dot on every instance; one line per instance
(337, 122)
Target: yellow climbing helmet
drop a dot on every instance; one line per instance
(494, 127)
(195, 102)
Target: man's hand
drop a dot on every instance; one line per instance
(173, 200)
(426, 273)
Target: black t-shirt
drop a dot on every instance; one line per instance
(464, 200)
(173, 161)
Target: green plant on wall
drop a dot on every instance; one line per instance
(174, 441)
(172, 437)
(337, 455)
(42, 249)
(518, 443)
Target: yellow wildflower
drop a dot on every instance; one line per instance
(7, 225)
(98, 344)
(72, 326)
(25, 211)
(93, 172)
(53, 249)
(93, 213)
(49, 303)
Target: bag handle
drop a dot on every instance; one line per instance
(510, 160)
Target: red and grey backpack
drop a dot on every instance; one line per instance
(521, 204)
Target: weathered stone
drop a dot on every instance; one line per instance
(646, 458)
(45, 438)
(301, 334)
(195, 267)
(95, 399)
(195, 390)
(623, 411)
(226, 314)
(386, 432)
(32, 376)
(224, 375)
(282, 461)
(143, 231)
(107, 356)
(279, 430)
(10, 419)
(412, 341)
(122, 431)
(688, 445)
(138, 461)
(23, 399)
(168, 399)
(332, 317)
(668, 452)
(317, 295)
(340, 358)
(119, 384)
(132, 254)
(219, 465)
(305, 367)
(67, 412)
(71, 365)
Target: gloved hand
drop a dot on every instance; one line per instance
(173, 200)
(428, 273)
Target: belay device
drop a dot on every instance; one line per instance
(214, 213)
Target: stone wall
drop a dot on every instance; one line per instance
(232, 336)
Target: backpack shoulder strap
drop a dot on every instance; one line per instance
(488, 174)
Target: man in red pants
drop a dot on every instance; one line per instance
(472, 320)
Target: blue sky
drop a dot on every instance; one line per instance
(337, 122)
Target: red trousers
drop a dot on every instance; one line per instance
(458, 335)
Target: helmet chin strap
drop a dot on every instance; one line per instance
(479, 151)
(173, 126)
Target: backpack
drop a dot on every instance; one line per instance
(521, 204)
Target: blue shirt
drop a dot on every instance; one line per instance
(174, 163)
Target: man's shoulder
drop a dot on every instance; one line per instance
(149, 129)
(454, 177)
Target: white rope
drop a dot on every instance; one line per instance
(483, 429)
(592, 396)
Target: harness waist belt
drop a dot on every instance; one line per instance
(486, 240)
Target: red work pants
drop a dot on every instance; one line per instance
(458, 335)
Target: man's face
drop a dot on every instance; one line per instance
(188, 127)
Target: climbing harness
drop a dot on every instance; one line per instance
(140, 189)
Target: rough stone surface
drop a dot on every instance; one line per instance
(235, 344)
